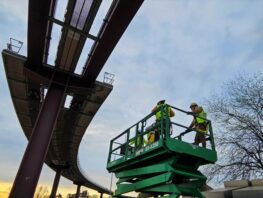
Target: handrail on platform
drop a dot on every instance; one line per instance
(14, 45)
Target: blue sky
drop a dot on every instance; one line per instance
(178, 50)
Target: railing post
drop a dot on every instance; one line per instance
(161, 131)
(142, 134)
(211, 136)
(136, 136)
(167, 124)
(110, 151)
(127, 142)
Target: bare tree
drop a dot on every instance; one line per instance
(237, 114)
(42, 192)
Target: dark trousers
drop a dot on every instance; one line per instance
(200, 138)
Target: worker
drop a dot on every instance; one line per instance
(159, 116)
(131, 144)
(150, 134)
(199, 124)
(151, 137)
(140, 140)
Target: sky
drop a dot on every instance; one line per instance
(178, 50)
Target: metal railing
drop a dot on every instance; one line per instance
(128, 138)
(132, 139)
(108, 78)
(14, 45)
(209, 135)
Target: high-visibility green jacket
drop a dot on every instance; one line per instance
(201, 117)
(201, 122)
(140, 141)
(158, 114)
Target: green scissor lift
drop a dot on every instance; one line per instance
(165, 168)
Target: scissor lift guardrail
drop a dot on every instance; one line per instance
(167, 167)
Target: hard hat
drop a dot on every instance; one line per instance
(193, 104)
(161, 102)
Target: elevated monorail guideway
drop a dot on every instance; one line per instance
(71, 123)
(38, 90)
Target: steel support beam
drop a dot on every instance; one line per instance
(49, 30)
(38, 13)
(78, 191)
(35, 154)
(55, 183)
(110, 33)
(69, 27)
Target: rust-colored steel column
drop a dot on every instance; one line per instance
(35, 154)
(55, 183)
(78, 191)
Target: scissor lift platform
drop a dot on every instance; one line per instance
(164, 168)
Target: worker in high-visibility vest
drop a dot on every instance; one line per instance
(140, 141)
(150, 137)
(158, 116)
(199, 123)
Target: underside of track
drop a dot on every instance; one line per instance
(71, 124)
(29, 78)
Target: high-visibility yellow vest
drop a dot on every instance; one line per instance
(151, 137)
(158, 114)
(201, 117)
(140, 141)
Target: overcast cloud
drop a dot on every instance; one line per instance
(178, 50)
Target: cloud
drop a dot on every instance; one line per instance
(14, 9)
